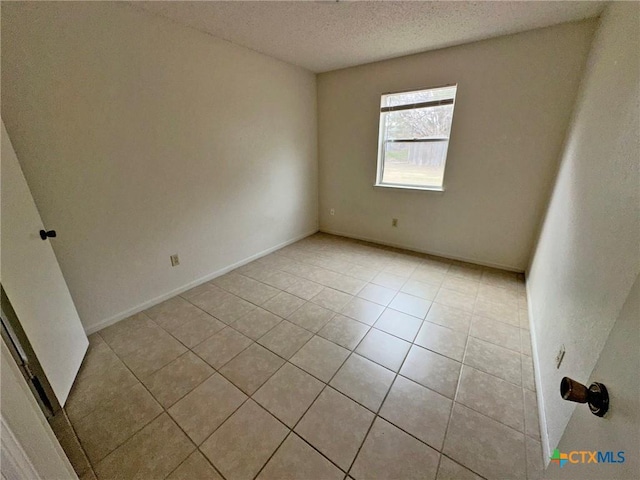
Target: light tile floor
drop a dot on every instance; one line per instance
(330, 357)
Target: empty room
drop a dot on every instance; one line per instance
(317, 240)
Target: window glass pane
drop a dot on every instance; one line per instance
(419, 122)
(407, 98)
(414, 163)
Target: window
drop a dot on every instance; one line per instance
(414, 138)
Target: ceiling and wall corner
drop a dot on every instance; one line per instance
(327, 35)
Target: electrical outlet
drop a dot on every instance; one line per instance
(560, 356)
(332, 211)
(175, 260)
(394, 222)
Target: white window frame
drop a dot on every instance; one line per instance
(382, 140)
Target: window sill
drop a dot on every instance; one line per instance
(409, 187)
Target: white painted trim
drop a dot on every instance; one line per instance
(165, 296)
(421, 250)
(15, 463)
(542, 417)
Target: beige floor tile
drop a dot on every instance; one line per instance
(497, 294)
(442, 340)
(385, 349)
(344, 331)
(362, 310)
(175, 380)
(363, 381)
(204, 409)
(450, 470)
(429, 275)
(485, 446)
(399, 324)
(63, 430)
(305, 289)
(173, 313)
(359, 271)
(450, 317)
(336, 426)
(195, 467)
(174, 304)
(389, 280)
(528, 380)
(535, 465)
(417, 410)
(346, 284)
(285, 339)
(501, 278)
(402, 268)
(153, 452)
(255, 292)
(153, 355)
(244, 443)
(464, 285)
(469, 271)
(405, 303)
(321, 358)
(531, 421)
(388, 452)
(498, 361)
(295, 460)
(103, 430)
(129, 335)
(496, 332)
(280, 280)
(455, 299)
(432, 371)
(275, 260)
(251, 368)
(231, 309)
(525, 342)
(209, 299)
(195, 291)
(288, 394)
(523, 316)
(256, 323)
(491, 396)
(502, 312)
(331, 299)
(222, 347)
(283, 304)
(311, 316)
(427, 291)
(319, 275)
(254, 269)
(197, 329)
(101, 376)
(377, 294)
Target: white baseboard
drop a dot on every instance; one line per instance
(542, 417)
(166, 296)
(421, 250)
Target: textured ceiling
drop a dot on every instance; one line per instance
(323, 36)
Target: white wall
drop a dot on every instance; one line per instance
(588, 254)
(514, 101)
(140, 138)
(619, 430)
